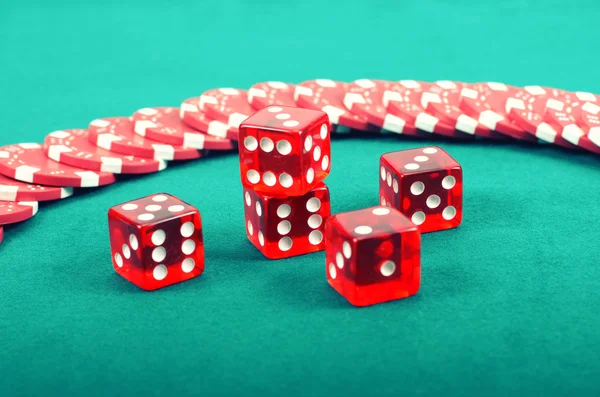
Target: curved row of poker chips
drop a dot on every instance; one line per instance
(448, 108)
(146, 141)
(140, 144)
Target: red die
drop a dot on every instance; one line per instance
(156, 241)
(286, 151)
(373, 255)
(281, 227)
(425, 185)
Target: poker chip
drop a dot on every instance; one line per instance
(116, 135)
(191, 115)
(164, 125)
(486, 103)
(442, 100)
(13, 212)
(13, 190)
(573, 118)
(563, 120)
(328, 96)
(403, 99)
(1, 234)
(527, 108)
(72, 147)
(364, 98)
(27, 162)
(228, 105)
(588, 137)
(271, 93)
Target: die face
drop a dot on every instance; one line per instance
(152, 209)
(284, 118)
(424, 184)
(284, 151)
(124, 248)
(339, 259)
(284, 227)
(373, 255)
(421, 160)
(154, 253)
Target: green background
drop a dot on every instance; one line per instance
(509, 301)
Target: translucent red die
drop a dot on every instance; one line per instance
(373, 255)
(424, 184)
(282, 227)
(284, 151)
(156, 241)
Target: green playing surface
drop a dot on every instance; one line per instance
(509, 301)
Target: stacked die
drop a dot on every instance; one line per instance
(284, 157)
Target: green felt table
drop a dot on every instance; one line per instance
(509, 300)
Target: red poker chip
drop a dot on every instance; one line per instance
(1, 234)
(328, 96)
(72, 147)
(271, 93)
(116, 135)
(442, 100)
(164, 125)
(13, 190)
(11, 212)
(228, 105)
(403, 99)
(563, 119)
(364, 98)
(27, 162)
(191, 115)
(527, 108)
(486, 103)
(588, 120)
(572, 119)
